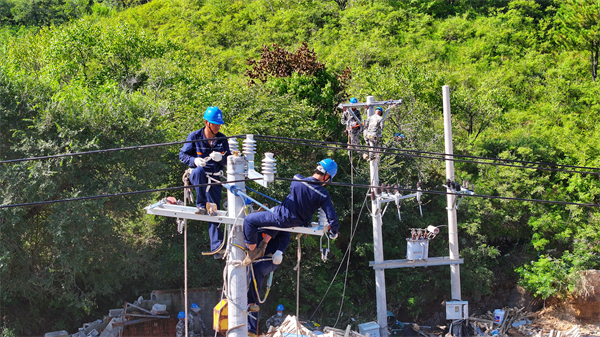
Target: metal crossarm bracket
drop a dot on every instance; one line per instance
(316, 230)
(365, 104)
(432, 261)
(187, 212)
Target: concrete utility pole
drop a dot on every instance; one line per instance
(237, 286)
(450, 198)
(378, 243)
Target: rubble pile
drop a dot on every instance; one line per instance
(516, 322)
(292, 327)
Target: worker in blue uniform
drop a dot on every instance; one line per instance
(307, 195)
(207, 157)
(273, 257)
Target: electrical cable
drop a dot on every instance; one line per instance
(434, 153)
(389, 152)
(120, 194)
(112, 150)
(460, 194)
(342, 261)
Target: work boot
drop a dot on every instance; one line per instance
(253, 307)
(251, 334)
(201, 210)
(257, 253)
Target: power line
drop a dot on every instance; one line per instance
(379, 148)
(434, 153)
(119, 194)
(341, 146)
(457, 194)
(111, 150)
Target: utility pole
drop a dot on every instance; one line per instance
(378, 241)
(237, 282)
(451, 198)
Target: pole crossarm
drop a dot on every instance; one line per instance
(316, 230)
(187, 212)
(389, 197)
(404, 263)
(366, 104)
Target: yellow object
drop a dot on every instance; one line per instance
(220, 317)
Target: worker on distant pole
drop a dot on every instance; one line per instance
(354, 128)
(260, 269)
(374, 131)
(307, 194)
(207, 157)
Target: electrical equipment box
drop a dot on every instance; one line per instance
(417, 249)
(220, 317)
(372, 328)
(457, 310)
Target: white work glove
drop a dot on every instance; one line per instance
(216, 156)
(277, 257)
(200, 162)
(333, 236)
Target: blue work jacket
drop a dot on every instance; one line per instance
(307, 194)
(201, 148)
(279, 242)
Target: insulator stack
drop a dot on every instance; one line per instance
(233, 145)
(250, 150)
(322, 218)
(269, 167)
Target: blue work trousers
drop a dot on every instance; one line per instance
(261, 270)
(254, 221)
(213, 195)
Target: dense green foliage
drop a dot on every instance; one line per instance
(90, 77)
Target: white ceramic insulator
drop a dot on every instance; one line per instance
(269, 167)
(250, 150)
(233, 145)
(322, 218)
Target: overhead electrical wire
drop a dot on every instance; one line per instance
(343, 146)
(433, 153)
(74, 154)
(458, 194)
(120, 194)
(389, 151)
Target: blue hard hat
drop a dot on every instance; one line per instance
(353, 100)
(194, 306)
(181, 315)
(379, 108)
(280, 307)
(214, 115)
(329, 166)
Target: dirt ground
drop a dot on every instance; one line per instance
(566, 315)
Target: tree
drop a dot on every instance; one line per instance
(579, 28)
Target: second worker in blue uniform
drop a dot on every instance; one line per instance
(307, 195)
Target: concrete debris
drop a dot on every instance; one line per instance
(516, 322)
(292, 327)
(60, 333)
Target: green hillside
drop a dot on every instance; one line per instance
(85, 76)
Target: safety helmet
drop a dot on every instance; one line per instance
(181, 315)
(280, 307)
(379, 108)
(195, 307)
(329, 166)
(353, 100)
(214, 115)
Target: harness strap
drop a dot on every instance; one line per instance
(311, 187)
